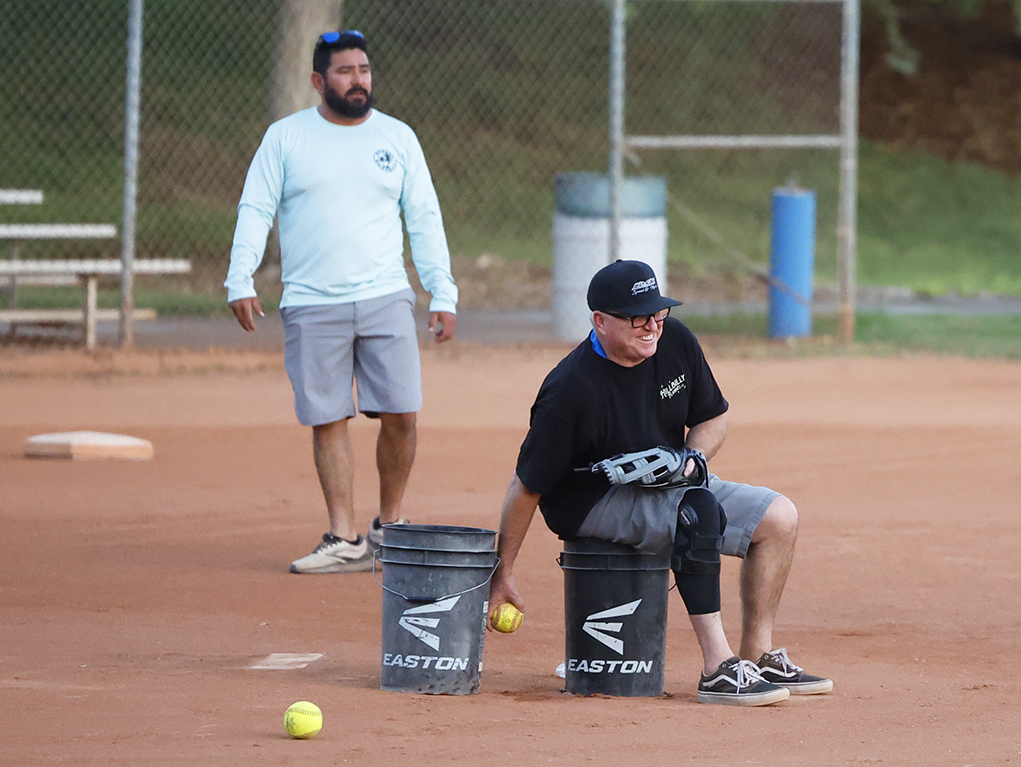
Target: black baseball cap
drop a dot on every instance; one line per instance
(629, 288)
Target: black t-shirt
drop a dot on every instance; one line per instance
(590, 408)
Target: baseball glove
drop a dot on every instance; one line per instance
(656, 467)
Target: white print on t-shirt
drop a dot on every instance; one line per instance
(669, 390)
(644, 286)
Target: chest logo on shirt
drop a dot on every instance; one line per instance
(385, 160)
(670, 389)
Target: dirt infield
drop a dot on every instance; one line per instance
(134, 597)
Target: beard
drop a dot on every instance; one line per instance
(343, 106)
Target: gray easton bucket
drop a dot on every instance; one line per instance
(435, 603)
(615, 610)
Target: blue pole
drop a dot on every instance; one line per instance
(792, 257)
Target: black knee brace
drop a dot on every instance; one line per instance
(701, 522)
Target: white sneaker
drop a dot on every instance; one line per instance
(375, 536)
(335, 555)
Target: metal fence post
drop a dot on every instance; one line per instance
(616, 169)
(847, 217)
(132, 107)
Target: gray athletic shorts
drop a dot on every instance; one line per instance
(330, 348)
(647, 518)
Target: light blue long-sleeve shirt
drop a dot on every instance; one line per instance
(338, 192)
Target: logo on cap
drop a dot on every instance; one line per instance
(644, 286)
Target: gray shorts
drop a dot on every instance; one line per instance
(329, 349)
(647, 518)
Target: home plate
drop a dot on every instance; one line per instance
(279, 661)
(86, 445)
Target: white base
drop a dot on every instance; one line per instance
(86, 445)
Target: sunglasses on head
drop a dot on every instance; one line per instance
(329, 38)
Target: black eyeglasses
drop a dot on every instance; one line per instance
(641, 320)
(329, 38)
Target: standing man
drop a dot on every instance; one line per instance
(638, 382)
(337, 177)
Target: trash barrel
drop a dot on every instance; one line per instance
(791, 262)
(435, 604)
(581, 239)
(615, 613)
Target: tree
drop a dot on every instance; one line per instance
(299, 24)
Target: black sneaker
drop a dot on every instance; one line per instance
(777, 668)
(738, 683)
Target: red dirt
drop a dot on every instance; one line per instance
(133, 596)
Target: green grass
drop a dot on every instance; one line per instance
(930, 225)
(997, 335)
(935, 226)
(924, 223)
(979, 336)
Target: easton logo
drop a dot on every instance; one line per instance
(595, 625)
(412, 622)
(644, 286)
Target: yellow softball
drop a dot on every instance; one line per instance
(303, 720)
(507, 618)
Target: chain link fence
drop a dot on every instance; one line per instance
(504, 95)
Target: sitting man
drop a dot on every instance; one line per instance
(640, 380)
